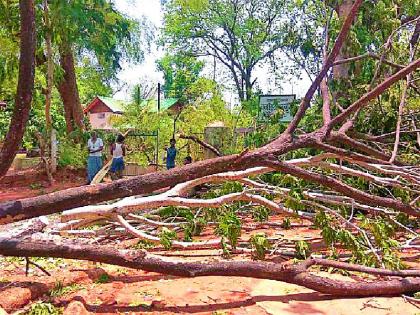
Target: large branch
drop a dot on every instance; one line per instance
(22, 209)
(345, 189)
(129, 205)
(296, 274)
(340, 137)
(202, 143)
(66, 199)
(304, 105)
(380, 88)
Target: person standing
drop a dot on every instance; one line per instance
(94, 163)
(118, 153)
(170, 154)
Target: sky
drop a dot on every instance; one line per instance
(132, 74)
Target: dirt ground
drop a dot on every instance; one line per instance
(77, 287)
(126, 291)
(31, 183)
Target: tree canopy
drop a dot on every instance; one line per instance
(239, 34)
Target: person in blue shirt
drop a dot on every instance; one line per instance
(171, 154)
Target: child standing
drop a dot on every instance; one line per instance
(118, 153)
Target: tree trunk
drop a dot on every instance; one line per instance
(50, 68)
(342, 70)
(248, 84)
(290, 273)
(68, 90)
(25, 86)
(238, 84)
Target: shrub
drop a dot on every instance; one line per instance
(72, 154)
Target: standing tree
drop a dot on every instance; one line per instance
(25, 86)
(240, 34)
(180, 72)
(95, 29)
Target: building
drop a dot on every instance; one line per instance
(101, 109)
(173, 105)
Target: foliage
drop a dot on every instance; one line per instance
(259, 244)
(60, 290)
(229, 226)
(225, 188)
(286, 224)
(72, 154)
(260, 214)
(239, 34)
(381, 230)
(194, 227)
(103, 278)
(166, 236)
(302, 249)
(143, 244)
(180, 72)
(97, 27)
(91, 82)
(42, 308)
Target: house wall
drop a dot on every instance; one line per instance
(99, 108)
(101, 120)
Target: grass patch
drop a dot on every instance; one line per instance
(42, 308)
(143, 244)
(60, 290)
(103, 278)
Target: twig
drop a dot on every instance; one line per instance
(29, 262)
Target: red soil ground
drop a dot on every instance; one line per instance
(105, 289)
(30, 183)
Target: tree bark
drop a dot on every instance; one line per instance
(44, 157)
(342, 70)
(296, 274)
(50, 67)
(25, 86)
(68, 90)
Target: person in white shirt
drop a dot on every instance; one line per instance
(94, 163)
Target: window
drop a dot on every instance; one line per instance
(101, 115)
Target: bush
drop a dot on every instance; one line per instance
(72, 154)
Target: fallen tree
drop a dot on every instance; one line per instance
(324, 139)
(337, 159)
(297, 274)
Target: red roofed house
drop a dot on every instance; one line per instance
(101, 109)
